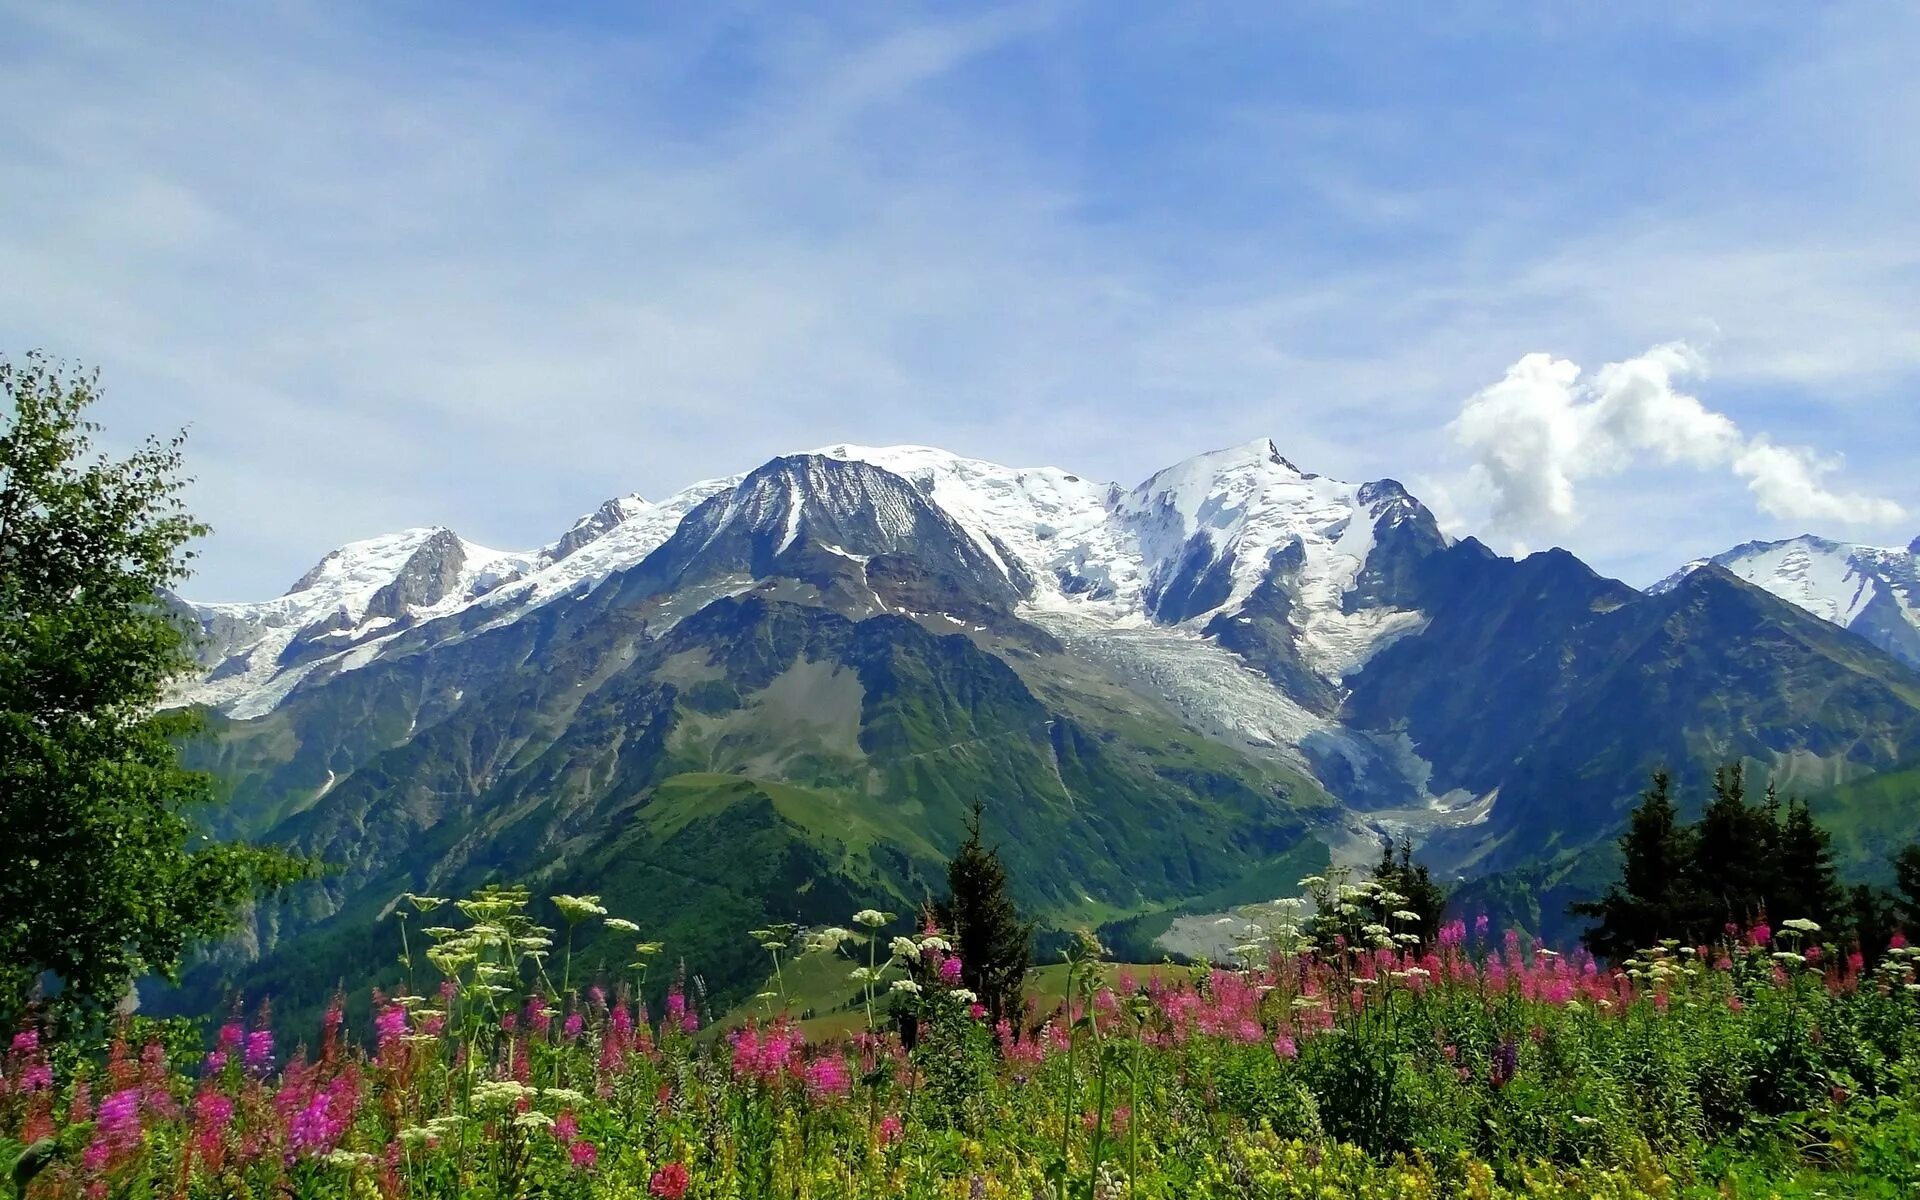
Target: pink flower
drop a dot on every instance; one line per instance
(890, 1130)
(212, 1112)
(582, 1155)
(566, 1127)
(116, 1132)
(977, 1011)
(260, 1051)
(26, 1041)
(827, 1077)
(1285, 1047)
(390, 1026)
(669, 1182)
(574, 1024)
(1760, 934)
(950, 972)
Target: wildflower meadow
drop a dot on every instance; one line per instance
(1362, 1062)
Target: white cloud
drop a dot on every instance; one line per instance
(1533, 436)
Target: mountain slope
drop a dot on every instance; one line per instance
(1560, 690)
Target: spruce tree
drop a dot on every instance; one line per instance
(1803, 882)
(994, 945)
(1906, 877)
(1414, 882)
(1733, 848)
(1651, 900)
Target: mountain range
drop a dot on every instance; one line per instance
(774, 696)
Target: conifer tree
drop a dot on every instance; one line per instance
(1651, 899)
(1803, 880)
(1414, 882)
(1732, 856)
(1906, 877)
(994, 945)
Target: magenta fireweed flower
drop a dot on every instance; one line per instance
(827, 1078)
(116, 1133)
(566, 1127)
(1285, 1047)
(950, 972)
(765, 1055)
(26, 1041)
(260, 1051)
(212, 1113)
(583, 1155)
(318, 1127)
(232, 1037)
(572, 1027)
(390, 1026)
(890, 1130)
(1761, 934)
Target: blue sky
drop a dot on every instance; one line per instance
(486, 265)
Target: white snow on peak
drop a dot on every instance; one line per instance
(1032, 511)
(1250, 502)
(642, 529)
(1091, 549)
(332, 605)
(1097, 550)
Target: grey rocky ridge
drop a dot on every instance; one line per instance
(779, 692)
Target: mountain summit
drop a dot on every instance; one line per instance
(1872, 590)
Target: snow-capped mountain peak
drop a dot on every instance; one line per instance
(362, 591)
(1193, 545)
(1872, 590)
(1028, 513)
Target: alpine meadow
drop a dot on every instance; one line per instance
(1401, 791)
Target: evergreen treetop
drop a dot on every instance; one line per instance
(995, 946)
